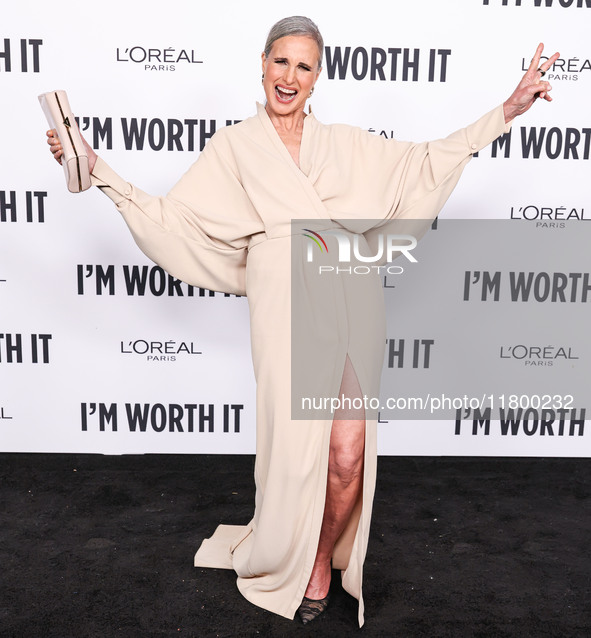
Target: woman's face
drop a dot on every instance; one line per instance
(290, 72)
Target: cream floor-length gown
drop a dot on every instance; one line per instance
(227, 226)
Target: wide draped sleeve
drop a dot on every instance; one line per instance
(418, 178)
(366, 180)
(201, 230)
(429, 171)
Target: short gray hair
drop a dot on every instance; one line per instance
(295, 25)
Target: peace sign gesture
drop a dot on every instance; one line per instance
(531, 86)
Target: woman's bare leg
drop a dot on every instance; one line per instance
(344, 482)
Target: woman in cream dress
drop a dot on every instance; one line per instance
(227, 226)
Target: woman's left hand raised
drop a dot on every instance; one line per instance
(531, 86)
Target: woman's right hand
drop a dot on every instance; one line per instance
(56, 148)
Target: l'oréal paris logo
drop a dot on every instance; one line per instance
(568, 69)
(169, 350)
(155, 59)
(537, 355)
(549, 216)
(348, 250)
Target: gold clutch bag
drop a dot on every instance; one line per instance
(57, 110)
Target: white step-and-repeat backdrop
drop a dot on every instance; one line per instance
(102, 351)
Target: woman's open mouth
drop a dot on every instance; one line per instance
(284, 94)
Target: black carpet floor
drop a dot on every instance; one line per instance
(98, 546)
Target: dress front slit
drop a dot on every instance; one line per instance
(347, 447)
